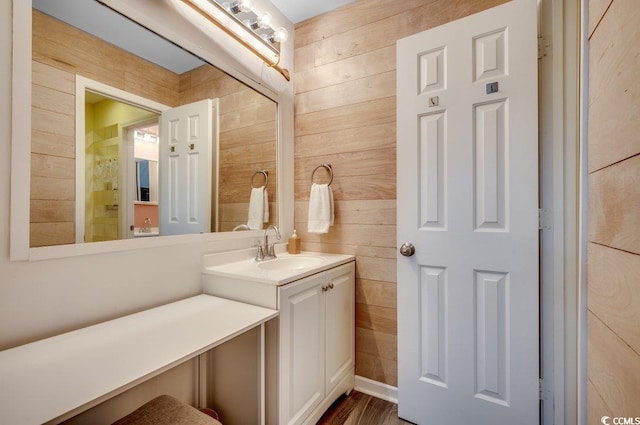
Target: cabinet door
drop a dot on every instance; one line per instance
(340, 324)
(301, 349)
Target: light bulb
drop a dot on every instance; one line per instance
(280, 35)
(241, 6)
(245, 5)
(264, 20)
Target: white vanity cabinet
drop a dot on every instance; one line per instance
(316, 344)
(310, 346)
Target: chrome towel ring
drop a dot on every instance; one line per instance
(265, 173)
(328, 167)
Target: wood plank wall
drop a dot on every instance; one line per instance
(248, 140)
(613, 365)
(345, 114)
(59, 53)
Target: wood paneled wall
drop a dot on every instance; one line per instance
(248, 140)
(345, 114)
(613, 367)
(60, 52)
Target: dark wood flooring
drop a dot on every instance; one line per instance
(361, 409)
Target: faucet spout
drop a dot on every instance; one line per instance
(266, 234)
(268, 250)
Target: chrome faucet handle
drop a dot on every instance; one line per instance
(259, 252)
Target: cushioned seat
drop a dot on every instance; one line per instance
(166, 410)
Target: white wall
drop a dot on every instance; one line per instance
(43, 298)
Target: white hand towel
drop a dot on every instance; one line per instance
(265, 204)
(257, 208)
(320, 208)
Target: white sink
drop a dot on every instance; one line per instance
(241, 265)
(236, 275)
(297, 263)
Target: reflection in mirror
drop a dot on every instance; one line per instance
(146, 181)
(117, 179)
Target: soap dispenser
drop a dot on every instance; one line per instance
(293, 247)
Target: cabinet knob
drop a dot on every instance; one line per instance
(324, 288)
(331, 285)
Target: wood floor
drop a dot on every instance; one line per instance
(361, 409)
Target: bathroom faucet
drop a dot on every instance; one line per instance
(267, 251)
(146, 228)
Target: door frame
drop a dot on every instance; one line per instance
(563, 347)
(84, 84)
(129, 171)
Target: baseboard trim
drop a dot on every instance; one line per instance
(376, 389)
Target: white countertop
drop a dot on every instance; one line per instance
(77, 370)
(241, 265)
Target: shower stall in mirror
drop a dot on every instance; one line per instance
(121, 157)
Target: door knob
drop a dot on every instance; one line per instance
(407, 249)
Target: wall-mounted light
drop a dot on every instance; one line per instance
(249, 27)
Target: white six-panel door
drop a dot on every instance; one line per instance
(468, 201)
(186, 170)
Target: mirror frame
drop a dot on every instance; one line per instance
(241, 66)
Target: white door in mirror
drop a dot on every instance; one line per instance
(187, 136)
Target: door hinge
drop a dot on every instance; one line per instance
(540, 392)
(544, 48)
(545, 220)
(544, 394)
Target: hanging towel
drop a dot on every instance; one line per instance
(320, 208)
(265, 205)
(258, 208)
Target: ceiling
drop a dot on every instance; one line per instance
(300, 10)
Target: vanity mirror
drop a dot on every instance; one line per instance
(106, 92)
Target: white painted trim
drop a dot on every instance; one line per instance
(61, 251)
(583, 216)
(20, 132)
(215, 164)
(376, 389)
(262, 377)
(559, 143)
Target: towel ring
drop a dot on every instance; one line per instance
(328, 167)
(265, 173)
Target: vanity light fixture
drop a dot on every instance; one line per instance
(244, 24)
